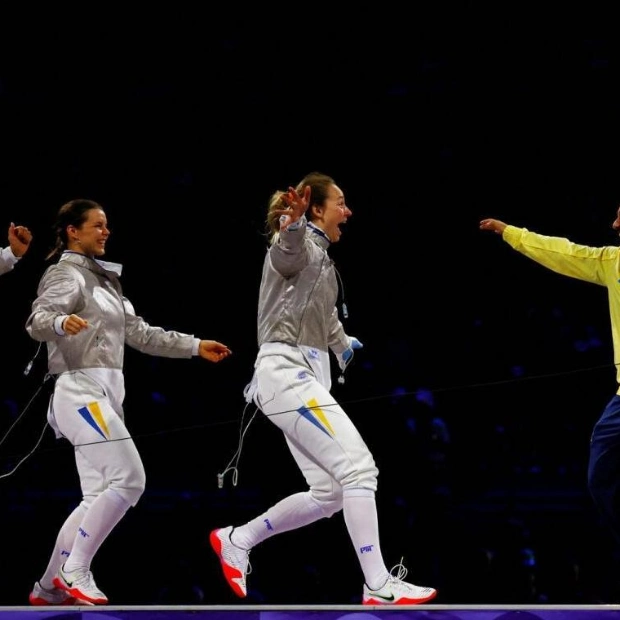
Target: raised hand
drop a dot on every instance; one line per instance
(297, 206)
(19, 239)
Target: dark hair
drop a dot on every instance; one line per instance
(72, 213)
(319, 187)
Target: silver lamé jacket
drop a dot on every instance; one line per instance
(90, 288)
(299, 291)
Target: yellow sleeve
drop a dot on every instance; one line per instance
(591, 264)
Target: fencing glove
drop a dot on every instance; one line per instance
(344, 358)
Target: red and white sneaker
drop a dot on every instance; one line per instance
(80, 584)
(235, 561)
(398, 592)
(40, 596)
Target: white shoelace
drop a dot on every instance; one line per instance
(85, 578)
(402, 571)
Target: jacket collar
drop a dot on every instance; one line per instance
(98, 266)
(318, 236)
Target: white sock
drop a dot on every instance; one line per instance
(291, 513)
(101, 518)
(360, 517)
(62, 548)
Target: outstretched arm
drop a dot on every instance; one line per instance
(591, 264)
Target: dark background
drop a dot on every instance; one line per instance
(482, 374)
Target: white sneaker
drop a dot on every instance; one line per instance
(235, 561)
(80, 584)
(395, 591)
(41, 596)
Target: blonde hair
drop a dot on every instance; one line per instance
(319, 186)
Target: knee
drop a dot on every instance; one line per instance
(87, 500)
(363, 476)
(328, 503)
(130, 485)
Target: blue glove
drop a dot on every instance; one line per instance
(347, 355)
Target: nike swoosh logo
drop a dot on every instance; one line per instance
(65, 579)
(385, 598)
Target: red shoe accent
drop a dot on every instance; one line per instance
(229, 571)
